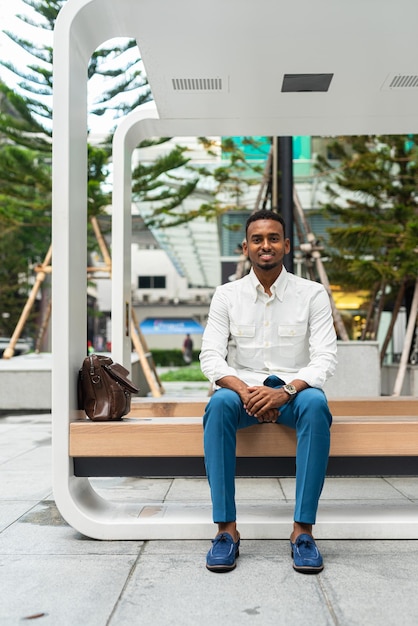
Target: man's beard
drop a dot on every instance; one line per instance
(267, 266)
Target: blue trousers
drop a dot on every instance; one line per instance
(308, 414)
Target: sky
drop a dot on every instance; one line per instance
(9, 51)
(9, 21)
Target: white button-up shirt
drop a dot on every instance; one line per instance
(251, 335)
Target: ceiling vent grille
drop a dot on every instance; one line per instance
(404, 80)
(197, 84)
(401, 81)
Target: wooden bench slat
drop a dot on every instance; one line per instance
(172, 407)
(380, 436)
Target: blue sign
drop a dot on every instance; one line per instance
(170, 326)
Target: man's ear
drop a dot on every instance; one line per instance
(286, 246)
(245, 247)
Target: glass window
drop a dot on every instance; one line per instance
(151, 282)
(159, 282)
(144, 282)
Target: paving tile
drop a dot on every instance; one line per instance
(371, 582)
(38, 458)
(61, 590)
(186, 489)
(259, 489)
(130, 488)
(173, 587)
(406, 485)
(14, 442)
(42, 531)
(21, 484)
(357, 488)
(10, 512)
(189, 489)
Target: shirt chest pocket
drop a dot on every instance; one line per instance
(244, 340)
(291, 339)
(243, 332)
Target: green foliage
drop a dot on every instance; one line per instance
(170, 357)
(17, 124)
(15, 278)
(374, 207)
(190, 373)
(107, 62)
(158, 183)
(166, 182)
(116, 63)
(26, 149)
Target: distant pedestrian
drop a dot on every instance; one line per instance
(188, 349)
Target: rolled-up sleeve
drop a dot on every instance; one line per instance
(215, 340)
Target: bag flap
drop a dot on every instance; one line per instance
(93, 364)
(119, 373)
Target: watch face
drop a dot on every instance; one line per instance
(290, 389)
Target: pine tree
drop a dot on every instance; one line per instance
(121, 70)
(25, 124)
(167, 181)
(374, 208)
(170, 179)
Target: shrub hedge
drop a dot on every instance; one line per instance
(171, 357)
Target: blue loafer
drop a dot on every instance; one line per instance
(306, 557)
(223, 553)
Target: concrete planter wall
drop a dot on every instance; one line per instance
(358, 371)
(410, 383)
(25, 381)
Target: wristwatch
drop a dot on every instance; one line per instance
(291, 390)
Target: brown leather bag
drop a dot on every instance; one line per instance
(104, 391)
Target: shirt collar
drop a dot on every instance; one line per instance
(277, 288)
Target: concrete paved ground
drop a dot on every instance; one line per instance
(51, 575)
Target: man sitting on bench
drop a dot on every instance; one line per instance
(269, 346)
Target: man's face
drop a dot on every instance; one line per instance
(266, 245)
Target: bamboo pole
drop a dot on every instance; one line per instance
(144, 362)
(370, 310)
(41, 271)
(389, 333)
(40, 277)
(43, 327)
(102, 245)
(265, 180)
(316, 255)
(407, 344)
(146, 351)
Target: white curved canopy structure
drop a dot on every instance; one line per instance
(224, 67)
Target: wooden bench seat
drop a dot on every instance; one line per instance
(362, 427)
(165, 437)
(162, 437)
(192, 407)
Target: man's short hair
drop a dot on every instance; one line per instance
(265, 214)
